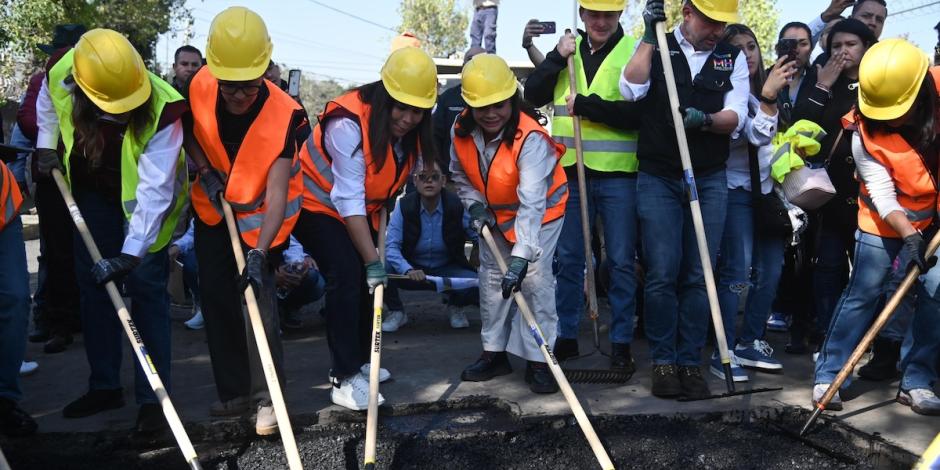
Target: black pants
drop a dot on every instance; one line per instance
(236, 364)
(58, 307)
(348, 304)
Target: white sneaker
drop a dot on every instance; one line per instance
(265, 421)
(458, 317)
(384, 374)
(196, 322)
(28, 368)
(353, 393)
(819, 390)
(394, 320)
(921, 400)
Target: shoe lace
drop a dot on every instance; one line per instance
(763, 347)
(664, 370)
(690, 371)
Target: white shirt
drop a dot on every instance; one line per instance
(342, 139)
(156, 173)
(536, 166)
(759, 131)
(816, 27)
(735, 100)
(485, 3)
(876, 179)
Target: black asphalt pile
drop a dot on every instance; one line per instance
(474, 435)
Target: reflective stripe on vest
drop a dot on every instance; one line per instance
(258, 152)
(605, 148)
(502, 180)
(132, 146)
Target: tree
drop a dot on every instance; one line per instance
(316, 93)
(24, 24)
(760, 15)
(441, 25)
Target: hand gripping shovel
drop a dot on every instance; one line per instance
(264, 351)
(599, 452)
(697, 221)
(375, 358)
(869, 337)
(137, 344)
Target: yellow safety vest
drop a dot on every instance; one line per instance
(605, 148)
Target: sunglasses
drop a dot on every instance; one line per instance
(432, 178)
(247, 90)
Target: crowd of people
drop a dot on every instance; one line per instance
(816, 180)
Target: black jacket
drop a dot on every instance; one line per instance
(452, 231)
(449, 105)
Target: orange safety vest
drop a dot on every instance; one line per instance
(914, 183)
(247, 179)
(502, 180)
(10, 197)
(380, 185)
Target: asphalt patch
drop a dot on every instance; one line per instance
(484, 434)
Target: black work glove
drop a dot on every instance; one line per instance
(480, 216)
(914, 253)
(46, 161)
(114, 269)
(254, 270)
(212, 183)
(655, 12)
(514, 276)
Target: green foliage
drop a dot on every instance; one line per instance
(761, 16)
(24, 24)
(441, 25)
(316, 93)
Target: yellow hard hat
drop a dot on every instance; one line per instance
(603, 5)
(725, 11)
(239, 47)
(110, 71)
(889, 78)
(487, 80)
(410, 76)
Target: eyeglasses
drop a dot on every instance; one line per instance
(432, 178)
(247, 90)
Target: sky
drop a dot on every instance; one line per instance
(309, 36)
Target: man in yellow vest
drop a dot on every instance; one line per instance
(609, 142)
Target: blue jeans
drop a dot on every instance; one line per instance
(859, 304)
(14, 307)
(483, 27)
(150, 303)
(191, 274)
(748, 261)
(310, 290)
(457, 298)
(834, 246)
(615, 200)
(676, 303)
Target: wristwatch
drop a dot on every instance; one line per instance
(708, 121)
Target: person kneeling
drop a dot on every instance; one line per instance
(426, 236)
(507, 172)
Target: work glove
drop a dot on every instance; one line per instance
(693, 118)
(46, 160)
(514, 276)
(914, 253)
(480, 217)
(375, 275)
(212, 183)
(114, 269)
(655, 12)
(254, 270)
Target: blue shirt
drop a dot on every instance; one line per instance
(430, 252)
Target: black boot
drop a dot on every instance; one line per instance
(489, 365)
(150, 420)
(565, 348)
(884, 361)
(14, 422)
(539, 378)
(57, 343)
(94, 402)
(692, 382)
(621, 359)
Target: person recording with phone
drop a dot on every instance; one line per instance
(795, 43)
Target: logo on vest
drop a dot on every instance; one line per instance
(723, 62)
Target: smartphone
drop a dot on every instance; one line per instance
(293, 83)
(548, 27)
(787, 47)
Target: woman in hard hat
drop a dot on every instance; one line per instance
(897, 151)
(508, 175)
(359, 157)
(246, 135)
(121, 132)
